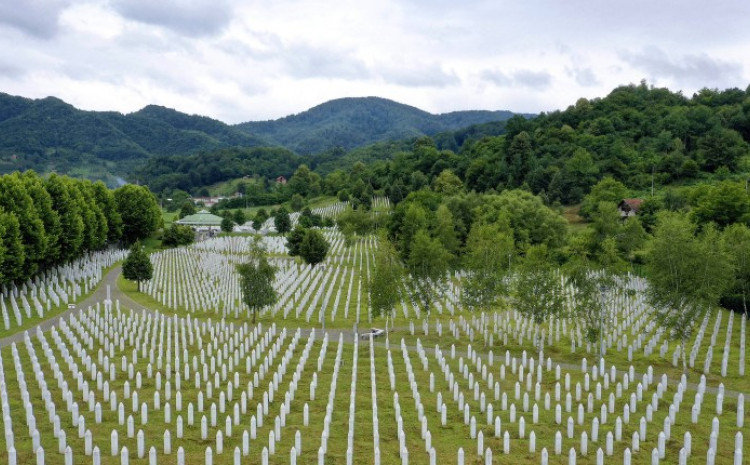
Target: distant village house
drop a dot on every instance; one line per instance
(281, 180)
(629, 207)
(209, 202)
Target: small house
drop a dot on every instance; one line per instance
(629, 207)
(281, 180)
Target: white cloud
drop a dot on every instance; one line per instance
(259, 59)
(191, 18)
(37, 18)
(694, 70)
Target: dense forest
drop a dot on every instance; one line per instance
(635, 135)
(49, 221)
(354, 122)
(49, 135)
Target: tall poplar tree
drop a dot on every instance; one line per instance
(12, 252)
(15, 199)
(71, 223)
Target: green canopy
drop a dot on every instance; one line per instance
(202, 218)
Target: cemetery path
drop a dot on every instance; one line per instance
(99, 295)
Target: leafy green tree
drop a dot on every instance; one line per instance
(49, 216)
(90, 226)
(137, 265)
(487, 263)
(592, 286)
(239, 217)
(631, 238)
(96, 230)
(71, 221)
(260, 217)
(256, 282)
(139, 210)
(294, 240)
(227, 224)
(724, 204)
(178, 234)
(520, 157)
(721, 147)
(606, 190)
(301, 182)
(385, 279)
(445, 229)
(314, 247)
(531, 221)
(582, 171)
(428, 264)
(414, 219)
(14, 198)
(188, 208)
(282, 221)
(297, 203)
(12, 253)
(536, 287)
(447, 183)
(105, 198)
(736, 241)
(687, 274)
(354, 222)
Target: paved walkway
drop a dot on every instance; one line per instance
(99, 295)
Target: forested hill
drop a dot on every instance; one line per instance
(51, 135)
(355, 122)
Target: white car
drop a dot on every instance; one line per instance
(374, 332)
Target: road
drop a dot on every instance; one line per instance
(99, 295)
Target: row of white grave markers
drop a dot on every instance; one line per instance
(314, 289)
(308, 293)
(104, 354)
(203, 277)
(633, 331)
(269, 226)
(55, 288)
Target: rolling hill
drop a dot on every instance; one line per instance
(355, 122)
(50, 135)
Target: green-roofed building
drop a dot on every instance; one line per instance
(202, 219)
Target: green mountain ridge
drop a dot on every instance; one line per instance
(50, 135)
(357, 121)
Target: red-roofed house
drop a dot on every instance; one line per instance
(629, 207)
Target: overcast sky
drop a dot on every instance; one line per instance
(240, 60)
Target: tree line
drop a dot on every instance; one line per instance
(45, 222)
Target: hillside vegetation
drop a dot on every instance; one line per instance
(49, 135)
(353, 122)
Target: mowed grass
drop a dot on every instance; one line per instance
(446, 439)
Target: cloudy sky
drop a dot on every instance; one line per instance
(240, 60)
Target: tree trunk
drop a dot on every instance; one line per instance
(254, 314)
